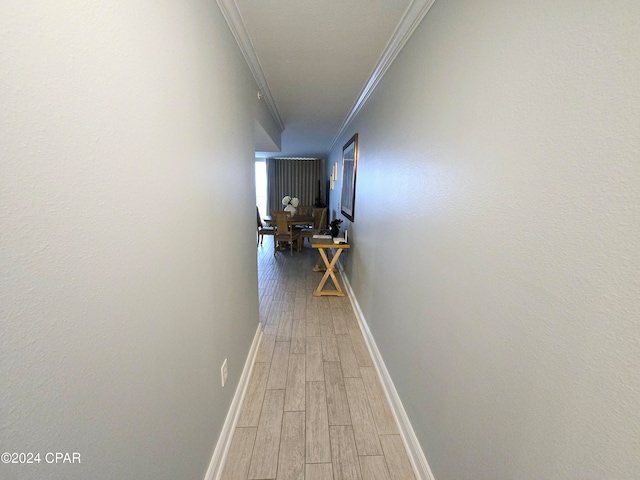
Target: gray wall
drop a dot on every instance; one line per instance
(125, 278)
(496, 237)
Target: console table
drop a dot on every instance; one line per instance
(324, 245)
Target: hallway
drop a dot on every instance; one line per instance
(314, 407)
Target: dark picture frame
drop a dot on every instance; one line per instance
(349, 167)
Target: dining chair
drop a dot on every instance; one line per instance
(304, 210)
(319, 222)
(284, 232)
(262, 228)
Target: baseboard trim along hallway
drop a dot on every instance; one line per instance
(214, 472)
(416, 455)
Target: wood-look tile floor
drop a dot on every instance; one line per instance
(314, 408)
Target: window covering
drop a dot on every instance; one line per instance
(296, 178)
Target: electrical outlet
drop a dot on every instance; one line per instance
(223, 372)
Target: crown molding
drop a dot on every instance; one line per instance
(410, 20)
(238, 28)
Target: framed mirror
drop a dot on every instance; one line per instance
(349, 165)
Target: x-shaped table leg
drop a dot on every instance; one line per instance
(330, 272)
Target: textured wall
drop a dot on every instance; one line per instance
(496, 252)
(125, 279)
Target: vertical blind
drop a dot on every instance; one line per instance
(296, 178)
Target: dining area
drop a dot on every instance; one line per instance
(292, 213)
(291, 228)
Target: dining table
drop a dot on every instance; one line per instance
(296, 220)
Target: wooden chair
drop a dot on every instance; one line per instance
(263, 229)
(322, 213)
(304, 210)
(319, 223)
(284, 232)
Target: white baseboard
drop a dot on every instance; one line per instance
(214, 472)
(416, 455)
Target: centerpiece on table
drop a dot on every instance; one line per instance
(290, 204)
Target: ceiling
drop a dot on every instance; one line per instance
(316, 61)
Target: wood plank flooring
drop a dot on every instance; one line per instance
(314, 408)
